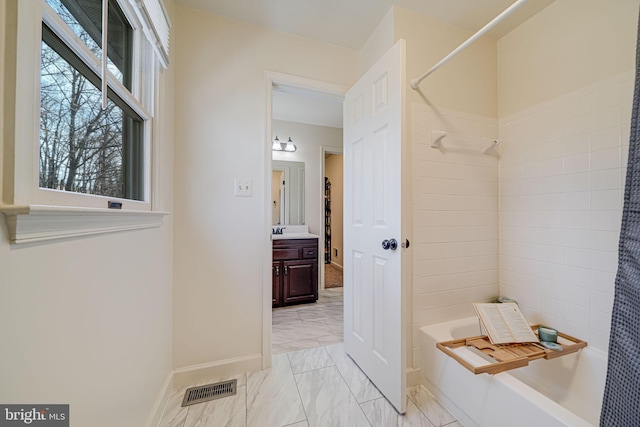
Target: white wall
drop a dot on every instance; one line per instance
(309, 139)
(566, 87)
(467, 83)
(567, 46)
(378, 43)
(220, 129)
(87, 321)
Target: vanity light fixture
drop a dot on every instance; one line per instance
(277, 145)
(290, 146)
(281, 146)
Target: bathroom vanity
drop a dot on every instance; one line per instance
(295, 269)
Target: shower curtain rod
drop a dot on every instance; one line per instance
(415, 83)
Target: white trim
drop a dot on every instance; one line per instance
(276, 78)
(38, 223)
(25, 138)
(193, 374)
(104, 87)
(157, 26)
(160, 404)
(305, 83)
(267, 215)
(413, 377)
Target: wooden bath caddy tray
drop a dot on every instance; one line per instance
(509, 356)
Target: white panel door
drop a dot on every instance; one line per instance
(375, 328)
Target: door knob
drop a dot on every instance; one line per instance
(390, 244)
(393, 243)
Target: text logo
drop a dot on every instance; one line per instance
(34, 415)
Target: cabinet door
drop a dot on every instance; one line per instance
(276, 298)
(300, 281)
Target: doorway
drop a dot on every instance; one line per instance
(333, 220)
(378, 275)
(294, 101)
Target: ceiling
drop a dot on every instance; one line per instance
(293, 104)
(349, 23)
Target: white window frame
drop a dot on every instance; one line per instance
(33, 213)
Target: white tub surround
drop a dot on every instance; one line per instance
(566, 391)
(455, 215)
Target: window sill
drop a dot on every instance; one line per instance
(38, 223)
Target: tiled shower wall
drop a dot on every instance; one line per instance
(562, 172)
(455, 216)
(558, 182)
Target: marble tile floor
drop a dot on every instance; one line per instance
(304, 326)
(320, 387)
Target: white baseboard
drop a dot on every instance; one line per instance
(413, 377)
(161, 402)
(212, 371)
(336, 265)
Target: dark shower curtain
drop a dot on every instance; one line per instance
(621, 403)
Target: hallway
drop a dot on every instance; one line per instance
(333, 277)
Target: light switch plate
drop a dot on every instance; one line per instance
(242, 187)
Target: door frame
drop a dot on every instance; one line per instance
(323, 152)
(276, 78)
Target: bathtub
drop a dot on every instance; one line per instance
(566, 391)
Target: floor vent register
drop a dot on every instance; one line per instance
(209, 392)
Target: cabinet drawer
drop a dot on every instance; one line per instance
(290, 253)
(279, 243)
(310, 253)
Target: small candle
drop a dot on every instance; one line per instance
(547, 334)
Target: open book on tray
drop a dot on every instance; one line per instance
(504, 323)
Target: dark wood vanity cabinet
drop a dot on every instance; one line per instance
(275, 280)
(294, 271)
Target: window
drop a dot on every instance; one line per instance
(86, 147)
(80, 142)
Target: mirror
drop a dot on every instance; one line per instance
(287, 193)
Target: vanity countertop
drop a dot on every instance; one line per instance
(294, 236)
